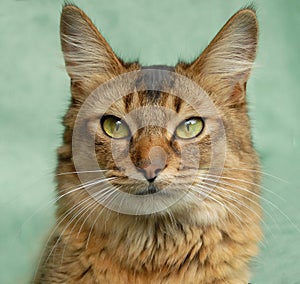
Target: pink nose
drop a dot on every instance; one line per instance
(151, 172)
(157, 159)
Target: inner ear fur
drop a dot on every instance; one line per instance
(85, 50)
(224, 66)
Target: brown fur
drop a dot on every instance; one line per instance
(207, 241)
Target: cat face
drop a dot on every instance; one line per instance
(163, 148)
(152, 142)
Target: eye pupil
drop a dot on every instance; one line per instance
(187, 124)
(118, 124)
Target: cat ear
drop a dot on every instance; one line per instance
(86, 52)
(225, 65)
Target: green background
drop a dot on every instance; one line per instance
(35, 93)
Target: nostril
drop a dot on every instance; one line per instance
(151, 179)
(151, 172)
(157, 171)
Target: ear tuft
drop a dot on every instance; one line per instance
(226, 63)
(85, 50)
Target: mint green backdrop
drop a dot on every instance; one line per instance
(35, 93)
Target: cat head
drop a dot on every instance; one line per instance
(157, 139)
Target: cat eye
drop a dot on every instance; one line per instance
(189, 128)
(114, 127)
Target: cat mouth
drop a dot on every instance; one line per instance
(151, 189)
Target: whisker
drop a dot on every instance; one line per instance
(215, 198)
(80, 214)
(68, 213)
(244, 181)
(97, 217)
(268, 202)
(228, 208)
(239, 202)
(264, 173)
(59, 221)
(68, 191)
(106, 195)
(82, 172)
(219, 181)
(67, 225)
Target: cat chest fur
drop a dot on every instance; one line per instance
(188, 255)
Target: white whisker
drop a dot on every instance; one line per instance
(244, 181)
(98, 216)
(267, 201)
(69, 212)
(264, 173)
(238, 201)
(215, 198)
(82, 172)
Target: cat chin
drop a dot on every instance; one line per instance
(150, 189)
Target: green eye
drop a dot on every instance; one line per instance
(114, 127)
(189, 128)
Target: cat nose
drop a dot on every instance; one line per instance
(155, 164)
(151, 172)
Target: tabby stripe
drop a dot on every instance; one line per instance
(128, 102)
(177, 104)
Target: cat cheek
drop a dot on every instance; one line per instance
(176, 147)
(95, 132)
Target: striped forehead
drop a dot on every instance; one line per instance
(153, 87)
(151, 108)
(149, 102)
(150, 83)
(151, 98)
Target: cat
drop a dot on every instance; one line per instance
(187, 213)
